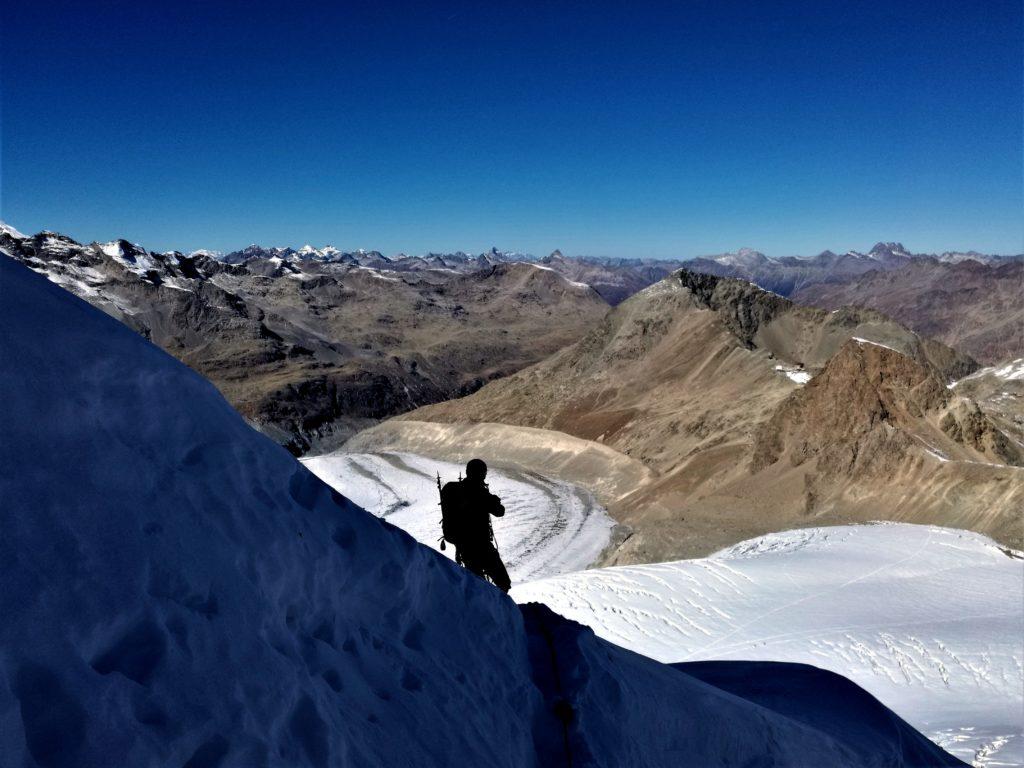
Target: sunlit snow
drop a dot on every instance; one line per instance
(794, 374)
(550, 527)
(930, 620)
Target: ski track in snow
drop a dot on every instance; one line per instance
(549, 527)
(927, 619)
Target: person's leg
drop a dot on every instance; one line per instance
(497, 571)
(472, 561)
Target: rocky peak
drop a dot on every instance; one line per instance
(858, 412)
(888, 251)
(967, 424)
(742, 305)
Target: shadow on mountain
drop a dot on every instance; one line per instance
(826, 702)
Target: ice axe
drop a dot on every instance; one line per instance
(439, 503)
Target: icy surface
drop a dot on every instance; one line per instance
(549, 527)
(138, 260)
(929, 620)
(177, 590)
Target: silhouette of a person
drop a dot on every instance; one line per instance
(474, 504)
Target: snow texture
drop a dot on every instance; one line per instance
(929, 620)
(549, 527)
(794, 374)
(1011, 371)
(177, 590)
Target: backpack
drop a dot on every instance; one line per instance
(451, 512)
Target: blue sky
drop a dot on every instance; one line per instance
(629, 129)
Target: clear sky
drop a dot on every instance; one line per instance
(627, 129)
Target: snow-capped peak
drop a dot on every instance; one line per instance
(884, 250)
(113, 249)
(7, 229)
(134, 257)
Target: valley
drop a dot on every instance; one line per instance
(749, 414)
(311, 346)
(187, 592)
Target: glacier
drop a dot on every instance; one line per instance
(177, 590)
(550, 527)
(929, 620)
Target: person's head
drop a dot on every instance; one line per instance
(476, 470)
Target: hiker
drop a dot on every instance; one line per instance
(467, 506)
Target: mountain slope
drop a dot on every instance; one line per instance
(311, 349)
(999, 390)
(684, 376)
(178, 590)
(972, 306)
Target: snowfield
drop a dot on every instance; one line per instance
(929, 620)
(549, 527)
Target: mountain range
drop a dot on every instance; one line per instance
(311, 350)
(968, 304)
(966, 299)
(313, 344)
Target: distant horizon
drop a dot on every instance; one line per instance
(652, 130)
(537, 255)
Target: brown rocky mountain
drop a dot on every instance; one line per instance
(310, 350)
(973, 306)
(749, 413)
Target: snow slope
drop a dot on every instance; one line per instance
(550, 527)
(177, 590)
(929, 620)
